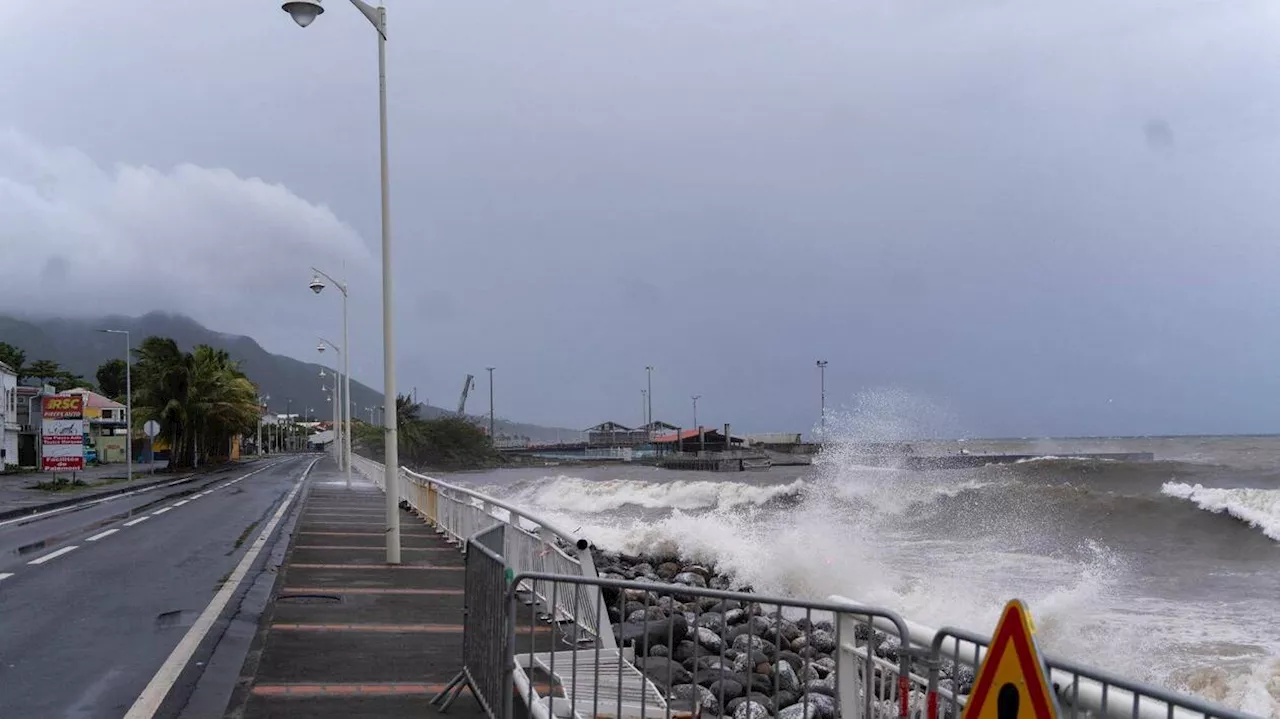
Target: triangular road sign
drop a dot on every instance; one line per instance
(1011, 682)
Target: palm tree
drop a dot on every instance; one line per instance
(201, 399)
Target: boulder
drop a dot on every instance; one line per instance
(707, 677)
(690, 579)
(784, 698)
(654, 613)
(658, 669)
(713, 621)
(821, 686)
(727, 689)
(653, 633)
(697, 569)
(787, 679)
(709, 640)
(735, 616)
(756, 697)
(667, 570)
(685, 651)
(745, 660)
(750, 710)
(818, 639)
(811, 706)
(745, 642)
(824, 666)
(686, 695)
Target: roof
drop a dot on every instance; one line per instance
(712, 435)
(609, 427)
(7, 369)
(95, 400)
(656, 425)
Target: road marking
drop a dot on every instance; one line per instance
(159, 512)
(5, 575)
(53, 555)
(179, 504)
(100, 535)
(139, 520)
(148, 703)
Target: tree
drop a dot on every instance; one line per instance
(111, 377)
(444, 443)
(15, 358)
(201, 399)
(45, 370)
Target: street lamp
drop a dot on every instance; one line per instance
(822, 383)
(128, 401)
(695, 399)
(491, 435)
(341, 439)
(304, 12)
(649, 402)
(317, 285)
(644, 409)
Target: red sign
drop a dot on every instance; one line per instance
(63, 464)
(60, 407)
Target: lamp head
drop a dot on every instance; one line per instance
(320, 347)
(303, 12)
(317, 284)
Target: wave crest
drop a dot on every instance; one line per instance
(574, 494)
(1259, 508)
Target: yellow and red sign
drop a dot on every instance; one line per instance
(62, 433)
(1011, 682)
(63, 407)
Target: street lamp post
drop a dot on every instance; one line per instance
(317, 286)
(128, 401)
(341, 437)
(822, 384)
(648, 412)
(695, 399)
(303, 13)
(644, 408)
(331, 394)
(492, 438)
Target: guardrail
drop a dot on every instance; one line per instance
(1082, 691)
(530, 544)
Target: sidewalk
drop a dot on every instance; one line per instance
(348, 635)
(16, 493)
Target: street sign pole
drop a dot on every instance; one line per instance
(151, 429)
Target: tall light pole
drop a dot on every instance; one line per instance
(822, 384)
(317, 287)
(644, 408)
(303, 13)
(695, 399)
(492, 437)
(341, 437)
(648, 411)
(128, 401)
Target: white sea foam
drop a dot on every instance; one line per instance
(1259, 508)
(575, 494)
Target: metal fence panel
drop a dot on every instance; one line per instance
(484, 649)
(686, 650)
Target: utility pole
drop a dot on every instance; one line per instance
(649, 402)
(822, 384)
(695, 398)
(492, 437)
(644, 407)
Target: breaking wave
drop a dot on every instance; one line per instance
(1258, 508)
(575, 494)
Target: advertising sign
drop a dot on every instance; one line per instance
(62, 440)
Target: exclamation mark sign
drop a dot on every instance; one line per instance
(1007, 702)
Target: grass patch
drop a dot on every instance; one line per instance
(243, 536)
(60, 485)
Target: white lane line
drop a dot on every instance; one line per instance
(179, 504)
(100, 535)
(139, 520)
(159, 512)
(53, 555)
(5, 575)
(148, 703)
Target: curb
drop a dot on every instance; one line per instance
(8, 514)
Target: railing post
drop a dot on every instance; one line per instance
(604, 628)
(847, 668)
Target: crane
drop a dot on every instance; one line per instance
(467, 385)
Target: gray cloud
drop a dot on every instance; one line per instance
(960, 199)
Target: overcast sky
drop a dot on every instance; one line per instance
(1034, 218)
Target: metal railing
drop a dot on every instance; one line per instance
(484, 630)
(1081, 691)
(693, 649)
(531, 543)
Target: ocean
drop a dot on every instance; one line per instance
(1167, 571)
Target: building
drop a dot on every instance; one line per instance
(9, 425)
(106, 426)
(612, 434)
(692, 440)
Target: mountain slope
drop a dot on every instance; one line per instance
(78, 346)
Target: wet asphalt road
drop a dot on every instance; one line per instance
(85, 628)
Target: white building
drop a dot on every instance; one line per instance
(9, 426)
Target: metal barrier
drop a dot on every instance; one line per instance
(531, 544)
(1081, 691)
(949, 653)
(688, 649)
(484, 631)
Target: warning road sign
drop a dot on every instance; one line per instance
(1011, 682)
